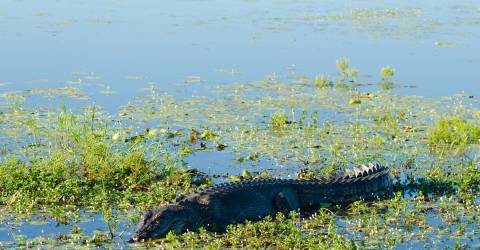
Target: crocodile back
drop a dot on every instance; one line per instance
(363, 182)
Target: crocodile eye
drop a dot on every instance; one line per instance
(147, 215)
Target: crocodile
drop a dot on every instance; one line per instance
(216, 207)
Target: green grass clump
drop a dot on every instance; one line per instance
(469, 178)
(94, 178)
(454, 131)
(279, 120)
(83, 167)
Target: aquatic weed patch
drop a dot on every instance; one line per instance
(61, 180)
(47, 93)
(454, 131)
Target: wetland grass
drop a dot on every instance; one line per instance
(80, 166)
(454, 131)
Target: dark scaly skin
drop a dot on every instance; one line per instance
(216, 207)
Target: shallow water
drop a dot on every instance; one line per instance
(111, 51)
(37, 226)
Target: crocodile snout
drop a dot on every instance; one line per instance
(134, 239)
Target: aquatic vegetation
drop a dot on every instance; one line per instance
(469, 178)
(279, 120)
(352, 73)
(444, 44)
(322, 82)
(193, 79)
(380, 22)
(342, 64)
(186, 151)
(47, 93)
(368, 14)
(346, 72)
(208, 135)
(454, 131)
(355, 101)
(106, 89)
(135, 78)
(398, 22)
(387, 73)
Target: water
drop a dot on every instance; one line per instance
(163, 42)
(38, 226)
(113, 49)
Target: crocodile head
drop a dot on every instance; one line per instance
(156, 223)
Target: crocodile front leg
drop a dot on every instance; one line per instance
(286, 200)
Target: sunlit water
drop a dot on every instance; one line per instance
(119, 47)
(112, 50)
